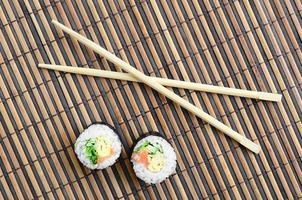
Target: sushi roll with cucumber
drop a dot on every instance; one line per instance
(153, 159)
(98, 146)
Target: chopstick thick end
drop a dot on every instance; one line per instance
(57, 24)
(250, 145)
(54, 21)
(41, 65)
(52, 67)
(47, 66)
(270, 97)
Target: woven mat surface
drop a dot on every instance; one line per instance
(244, 44)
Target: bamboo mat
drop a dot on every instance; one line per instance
(244, 44)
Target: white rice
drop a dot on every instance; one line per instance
(94, 131)
(170, 162)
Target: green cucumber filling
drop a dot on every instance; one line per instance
(98, 148)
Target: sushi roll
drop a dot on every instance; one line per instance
(98, 146)
(153, 159)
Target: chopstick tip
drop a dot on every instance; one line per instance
(252, 146)
(270, 97)
(279, 98)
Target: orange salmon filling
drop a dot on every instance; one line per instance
(103, 158)
(150, 156)
(141, 157)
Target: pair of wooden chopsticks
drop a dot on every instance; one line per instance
(157, 84)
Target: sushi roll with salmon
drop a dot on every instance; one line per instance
(98, 146)
(153, 159)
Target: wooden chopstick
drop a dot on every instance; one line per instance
(161, 89)
(167, 82)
